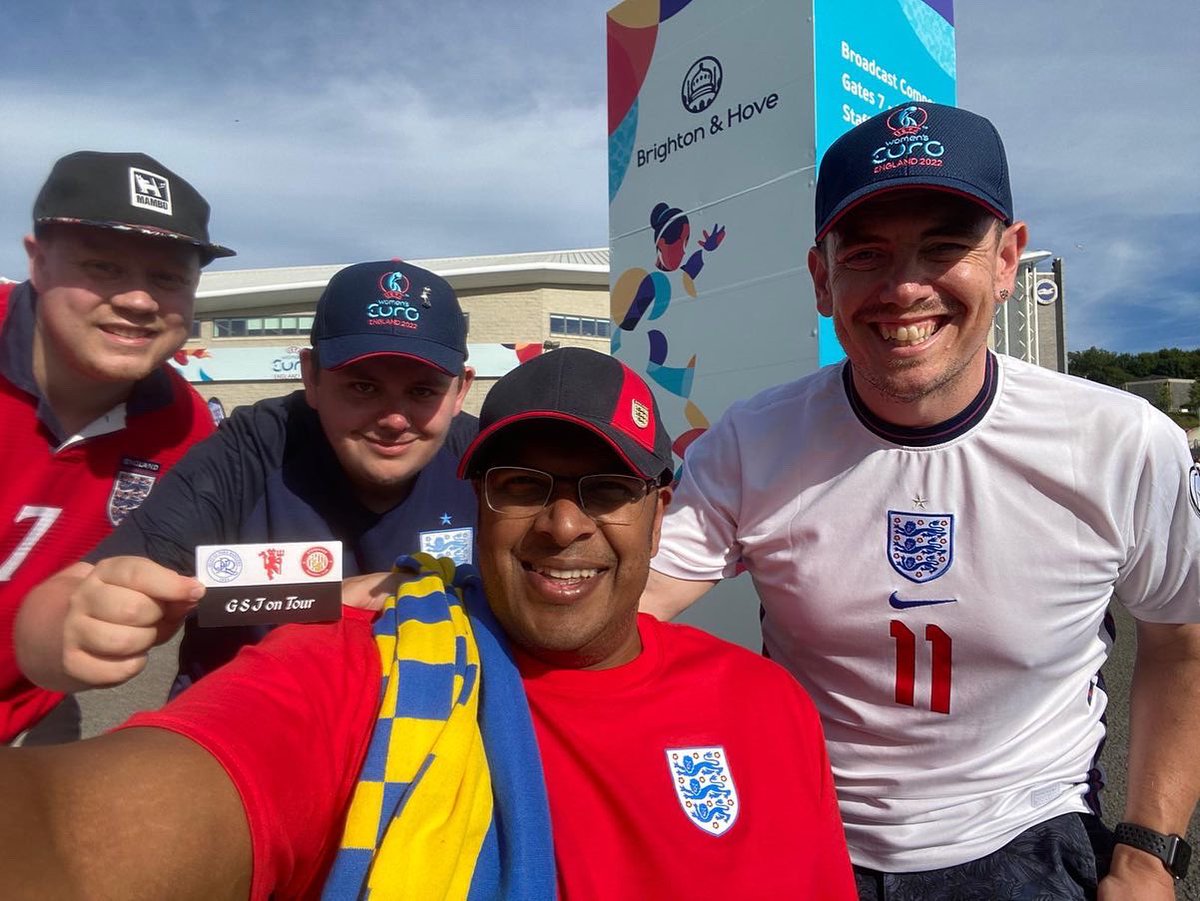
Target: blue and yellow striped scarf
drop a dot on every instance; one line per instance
(450, 801)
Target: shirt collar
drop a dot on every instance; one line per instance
(926, 436)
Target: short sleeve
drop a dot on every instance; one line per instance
(700, 530)
(1160, 578)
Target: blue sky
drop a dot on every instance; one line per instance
(342, 131)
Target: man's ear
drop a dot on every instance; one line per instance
(36, 254)
(1008, 256)
(660, 507)
(309, 374)
(464, 385)
(818, 268)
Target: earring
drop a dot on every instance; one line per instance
(1003, 294)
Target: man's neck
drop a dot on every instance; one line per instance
(75, 399)
(934, 408)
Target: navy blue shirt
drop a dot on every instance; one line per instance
(269, 474)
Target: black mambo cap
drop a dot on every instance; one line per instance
(587, 388)
(914, 145)
(129, 192)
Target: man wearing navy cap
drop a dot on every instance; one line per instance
(365, 454)
(935, 532)
(92, 415)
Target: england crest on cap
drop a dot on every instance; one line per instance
(704, 786)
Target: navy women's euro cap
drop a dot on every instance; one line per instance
(389, 307)
(128, 192)
(914, 145)
(584, 387)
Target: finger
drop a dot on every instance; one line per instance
(149, 578)
(101, 639)
(122, 606)
(100, 672)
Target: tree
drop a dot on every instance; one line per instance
(1099, 365)
(1163, 398)
(1194, 398)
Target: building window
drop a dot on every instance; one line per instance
(262, 326)
(195, 329)
(581, 326)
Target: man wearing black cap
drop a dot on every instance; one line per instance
(935, 532)
(663, 776)
(92, 417)
(360, 455)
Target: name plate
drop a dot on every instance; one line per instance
(269, 584)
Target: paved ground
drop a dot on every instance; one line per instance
(103, 709)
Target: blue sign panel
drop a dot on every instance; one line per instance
(871, 55)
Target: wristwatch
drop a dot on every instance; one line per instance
(1172, 850)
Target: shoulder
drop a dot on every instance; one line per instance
(463, 429)
(817, 386)
(268, 423)
(754, 431)
(700, 656)
(1090, 410)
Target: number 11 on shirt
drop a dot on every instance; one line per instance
(906, 665)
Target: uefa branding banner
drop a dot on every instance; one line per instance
(223, 363)
(717, 115)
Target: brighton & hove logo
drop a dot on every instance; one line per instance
(316, 561)
(907, 121)
(223, 565)
(701, 84)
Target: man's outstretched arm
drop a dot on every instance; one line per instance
(1164, 766)
(665, 597)
(142, 813)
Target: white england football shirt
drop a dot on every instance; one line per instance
(942, 594)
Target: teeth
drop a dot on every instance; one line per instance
(565, 574)
(908, 334)
(127, 332)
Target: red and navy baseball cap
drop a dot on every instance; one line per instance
(127, 192)
(584, 387)
(389, 307)
(914, 145)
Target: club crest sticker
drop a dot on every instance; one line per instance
(703, 784)
(641, 414)
(316, 561)
(453, 543)
(223, 565)
(132, 485)
(920, 545)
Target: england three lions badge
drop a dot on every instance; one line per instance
(920, 545)
(132, 485)
(704, 785)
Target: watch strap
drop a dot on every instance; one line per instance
(1171, 849)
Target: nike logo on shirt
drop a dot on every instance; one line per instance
(901, 604)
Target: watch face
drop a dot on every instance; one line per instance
(1183, 857)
